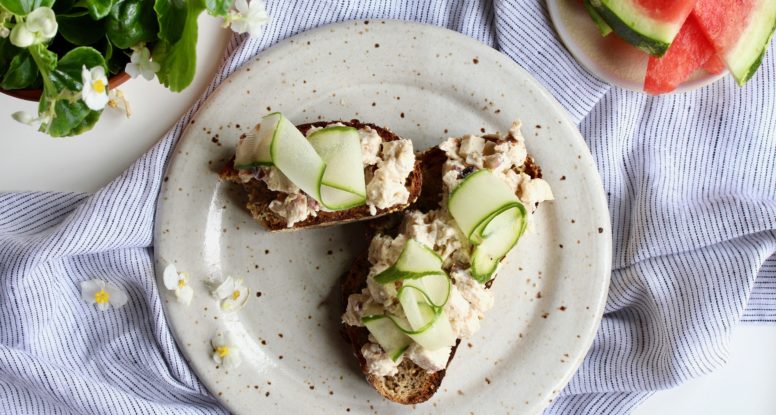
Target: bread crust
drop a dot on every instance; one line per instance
(259, 196)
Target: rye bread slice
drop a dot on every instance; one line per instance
(259, 196)
(412, 384)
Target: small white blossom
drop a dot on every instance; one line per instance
(103, 294)
(4, 32)
(39, 26)
(24, 117)
(225, 353)
(231, 294)
(178, 282)
(248, 18)
(141, 64)
(95, 87)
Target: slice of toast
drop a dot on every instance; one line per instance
(259, 196)
(412, 384)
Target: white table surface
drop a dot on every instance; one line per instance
(34, 161)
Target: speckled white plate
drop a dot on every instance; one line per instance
(609, 58)
(426, 83)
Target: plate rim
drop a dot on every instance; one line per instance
(598, 200)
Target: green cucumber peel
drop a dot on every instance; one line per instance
(486, 256)
(343, 184)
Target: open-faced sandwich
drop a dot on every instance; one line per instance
(423, 284)
(323, 173)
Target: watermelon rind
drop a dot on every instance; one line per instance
(635, 27)
(745, 56)
(599, 21)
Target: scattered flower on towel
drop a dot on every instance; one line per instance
(178, 282)
(232, 294)
(102, 293)
(225, 352)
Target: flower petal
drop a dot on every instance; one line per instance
(184, 295)
(233, 359)
(89, 289)
(170, 277)
(98, 74)
(117, 296)
(21, 36)
(103, 306)
(225, 289)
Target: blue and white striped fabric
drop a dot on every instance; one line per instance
(691, 183)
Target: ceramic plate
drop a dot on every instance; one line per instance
(609, 58)
(426, 83)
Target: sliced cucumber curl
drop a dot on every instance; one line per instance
(424, 292)
(491, 216)
(327, 165)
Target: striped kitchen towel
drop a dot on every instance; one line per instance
(691, 185)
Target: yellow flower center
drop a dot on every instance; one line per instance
(236, 294)
(101, 297)
(181, 283)
(222, 351)
(98, 86)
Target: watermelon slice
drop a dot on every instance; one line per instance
(715, 65)
(740, 31)
(603, 28)
(650, 25)
(689, 51)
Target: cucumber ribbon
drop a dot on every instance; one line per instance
(326, 165)
(491, 216)
(424, 292)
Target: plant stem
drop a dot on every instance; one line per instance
(35, 53)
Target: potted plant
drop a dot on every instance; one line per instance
(71, 54)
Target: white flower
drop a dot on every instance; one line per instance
(225, 352)
(141, 64)
(95, 89)
(179, 282)
(103, 294)
(24, 117)
(248, 18)
(39, 26)
(232, 294)
(4, 32)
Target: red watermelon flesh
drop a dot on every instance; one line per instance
(722, 20)
(688, 52)
(667, 10)
(714, 65)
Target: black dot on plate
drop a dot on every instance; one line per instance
(377, 45)
(269, 108)
(401, 115)
(600, 230)
(476, 61)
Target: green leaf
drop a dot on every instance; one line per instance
(80, 29)
(63, 6)
(98, 8)
(131, 22)
(21, 73)
(7, 53)
(71, 117)
(67, 74)
(172, 16)
(24, 7)
(178, 61)
(218, 7)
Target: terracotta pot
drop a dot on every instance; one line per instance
(34, 94)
